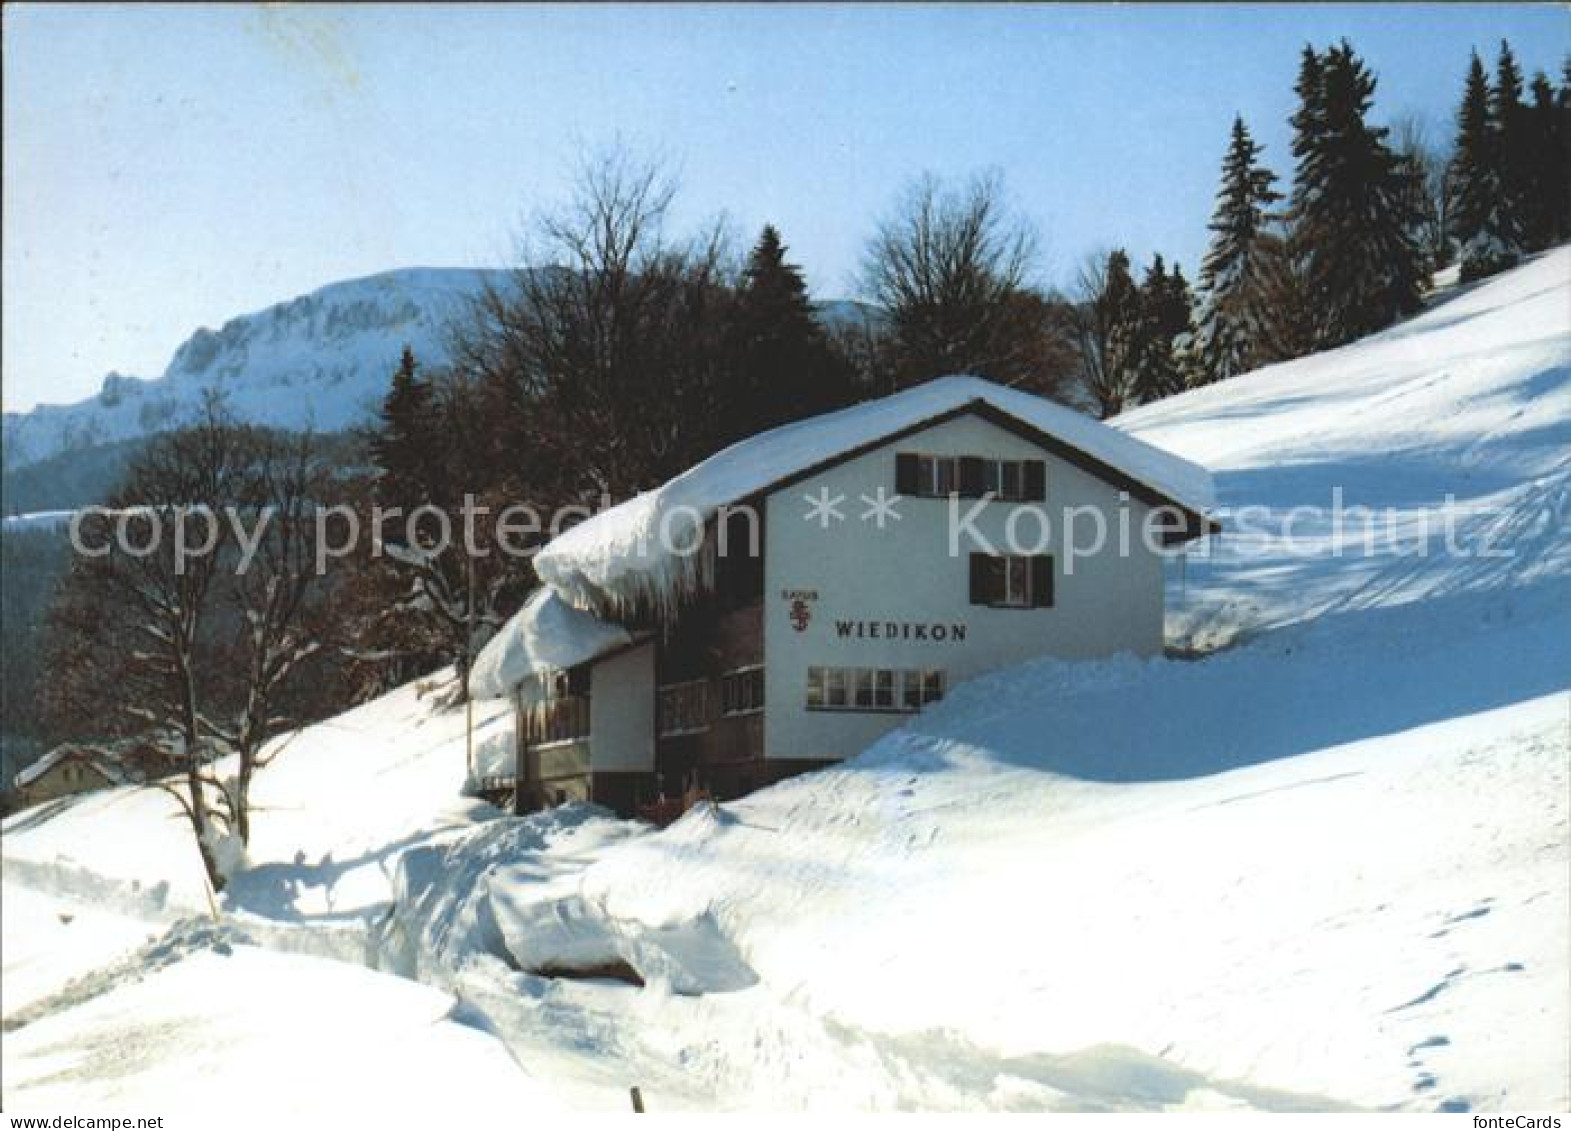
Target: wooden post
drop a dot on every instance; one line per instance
(638, 1100)
(469, 666)
(518, 749)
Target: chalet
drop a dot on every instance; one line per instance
(788, 600)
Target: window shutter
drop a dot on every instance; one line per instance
(1035, 481)
(1042, 581)
(971, 477)
(981, 577)
(907, 473)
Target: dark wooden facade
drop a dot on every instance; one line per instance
(727, 750)
(718, 752)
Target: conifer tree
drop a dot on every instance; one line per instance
(1176, 316)
(1547, 219)
(402, 447)
(1308, 121)
(1486, 238)
(785, 366)
(1351, 215)
(1162, 329)
(1225, 343)
(1513, 133)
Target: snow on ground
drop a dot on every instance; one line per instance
(338, 805)
(1463, 412)
(1315, 859)
(206, 1019)
(46, 942)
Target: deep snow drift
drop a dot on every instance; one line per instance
(1315, 859)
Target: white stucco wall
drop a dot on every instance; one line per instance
(1112, 602)
(622, 711)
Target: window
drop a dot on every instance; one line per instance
(684, 708)
(927, 477)
(573, 681)
(970, 477)
(1012, 581)
(1017, 582)
(742, 691)
(936, 476)
(563, 715)
(1004, 478)
(873, 690)
(839, 683)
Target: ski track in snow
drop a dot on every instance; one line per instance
(1321, 866)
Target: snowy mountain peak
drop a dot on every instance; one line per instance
(320, 360)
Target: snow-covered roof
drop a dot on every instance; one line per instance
(617, 557)
(546, 634)
(35, 770)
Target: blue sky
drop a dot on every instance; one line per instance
(168, 167)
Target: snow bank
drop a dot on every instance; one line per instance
(546, 634)
(222, 1022)
(625, 555)
(341, 800)
(512, 890)
(444, 892)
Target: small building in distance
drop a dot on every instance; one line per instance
(67, 770)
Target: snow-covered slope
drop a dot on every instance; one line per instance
(321, 360)
(1315, 859)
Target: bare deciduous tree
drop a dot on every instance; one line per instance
(601, 358)
(950, 268)
(193, 611)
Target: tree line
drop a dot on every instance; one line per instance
(1350, 246)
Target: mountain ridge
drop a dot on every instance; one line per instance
(320, 360)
